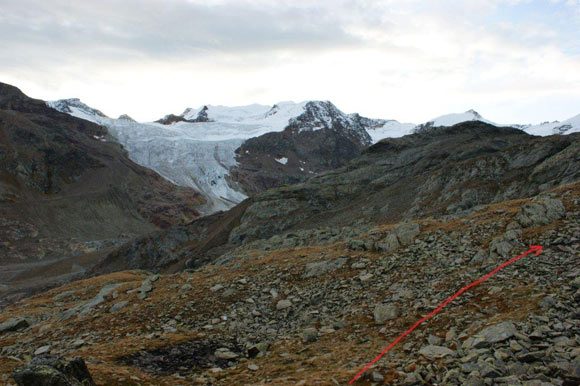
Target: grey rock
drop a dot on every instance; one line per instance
(541, 211)
(14, 324)
(225, 353)
(117, 306)
(384, 312)
(406, 232)
(498, 332)
(42, 350)
(283, 304)
(309, 335)
(377, 377)
(85, 308)
(63, 295)
(434, 340)
(435, 352)
(321, 267)
(387, 244)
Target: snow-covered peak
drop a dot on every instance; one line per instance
(324, 115)
(452, 119)
(571, 125)
(75, 107)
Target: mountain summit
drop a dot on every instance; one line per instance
(452, 119)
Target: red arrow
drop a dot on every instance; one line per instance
(536, 249)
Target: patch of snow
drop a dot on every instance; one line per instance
(242, 121)
(282, 160)
(390, 129)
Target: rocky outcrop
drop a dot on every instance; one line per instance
(54, 371)
(172, 118)
(14, 324)
(541, 211)
(292, 156)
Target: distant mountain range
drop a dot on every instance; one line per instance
(229, 153)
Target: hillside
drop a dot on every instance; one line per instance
(316, 314)
(68, 194)
(438, 172)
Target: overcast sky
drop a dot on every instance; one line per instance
(514, 61)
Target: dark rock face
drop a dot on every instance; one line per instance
(306, 153)
(441, 171)
(202, 116)
(54, 371)
(172, 118)
(320, 139)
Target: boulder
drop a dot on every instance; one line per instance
(384, 312)
(283, 304)
(541, 211)
(319, 268)
(435, 352)
(406, 232)
(497, 333)
(14, 324)
(54, 371)
(309, 335)
(387, 244)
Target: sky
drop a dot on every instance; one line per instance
(514, 61)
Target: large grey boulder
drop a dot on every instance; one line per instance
(406, 232)
(436, 352)
(541, 211)
(384, 312)
(403, 234)
(497, 333)
(318, 268)
(54, 371)
(13, 324)
(387, 244)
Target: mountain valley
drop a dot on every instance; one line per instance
(285, 245)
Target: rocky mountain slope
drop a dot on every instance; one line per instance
(316, 313)
(68, 195)
(320, 139)
(442, 172)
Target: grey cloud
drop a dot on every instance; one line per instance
(108, 29)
